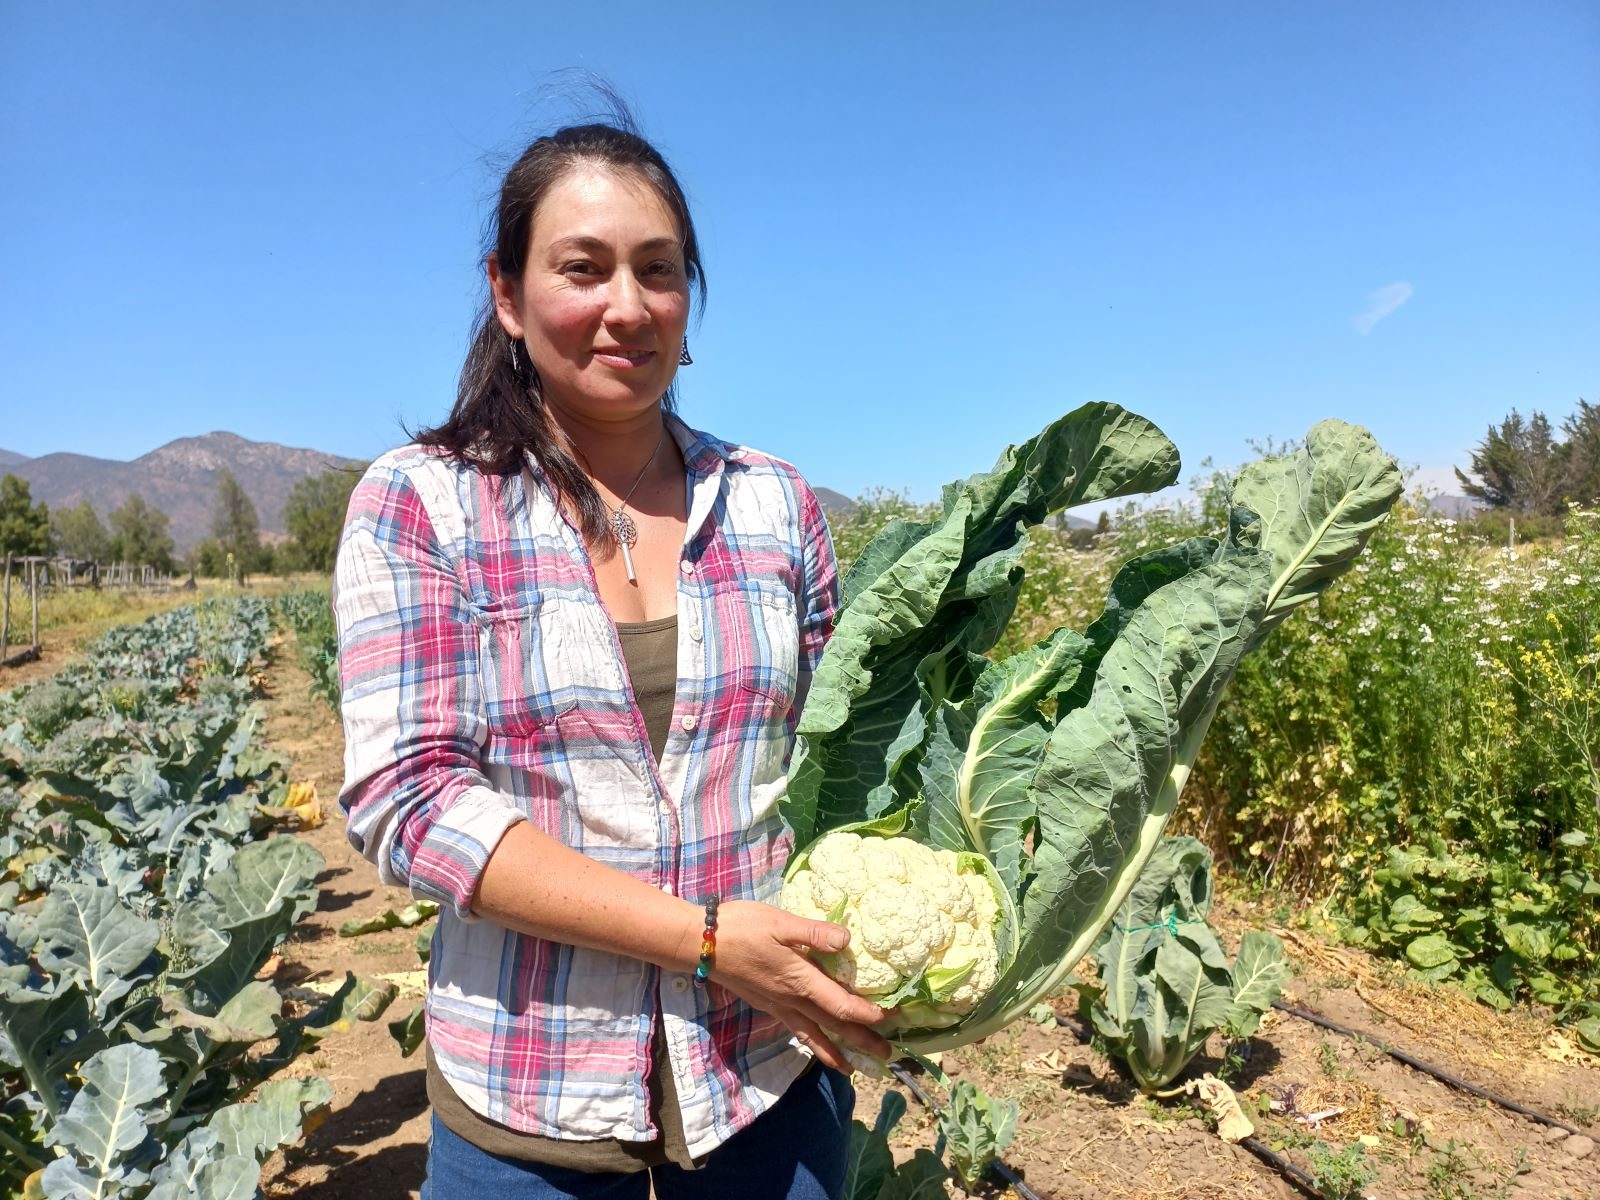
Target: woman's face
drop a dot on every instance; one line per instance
(604, 301)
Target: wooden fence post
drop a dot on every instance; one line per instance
(5, 610)
(33, 578)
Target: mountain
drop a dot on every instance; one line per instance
(834, 504)
(179, 478)
(1457, 508)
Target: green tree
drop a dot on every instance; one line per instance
(1581, 483)
(1520, 466)
(234, 524)
(139, 534)
(24, 525)
(314, 517)
(79, 533)
(208, 559)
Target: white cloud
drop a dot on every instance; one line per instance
(1380, 304)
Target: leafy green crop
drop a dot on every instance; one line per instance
(870, 1171)
(1486, 923)
(1062, 763)
(973, 1130)
(311, 615)
(138, 902)
(1165, 985)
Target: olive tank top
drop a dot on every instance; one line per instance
(650, 652)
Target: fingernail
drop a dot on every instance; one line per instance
(836, 941)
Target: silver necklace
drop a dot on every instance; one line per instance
(622, 526)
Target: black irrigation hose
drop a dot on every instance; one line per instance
(1282, 1166)
(1410, 1060)
(1425, 1068)
(997, 1167)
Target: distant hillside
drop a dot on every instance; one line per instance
(179, 478)
(1457, 508)
(834, 504)
(837, 504)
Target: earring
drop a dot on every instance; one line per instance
(683, 354)
(516, 368)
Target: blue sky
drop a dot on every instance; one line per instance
(929, 229)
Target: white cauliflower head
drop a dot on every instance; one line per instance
(902, 925)
(916, 920)
(974, 946)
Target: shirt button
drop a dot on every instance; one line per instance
(689, 723)
(696, 632)
(686, 567)
(667, 888)
(680, 984)
(664, 808)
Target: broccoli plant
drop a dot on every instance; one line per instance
(1165, 985)
(870, 1170)
(973, 1129)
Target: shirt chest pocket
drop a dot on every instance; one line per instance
(523, 669)
(759, 635)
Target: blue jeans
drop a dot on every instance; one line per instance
(794, 1151)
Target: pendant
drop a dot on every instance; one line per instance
(627, 534)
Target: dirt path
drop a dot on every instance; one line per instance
(372, 1147)
(1083, 1132)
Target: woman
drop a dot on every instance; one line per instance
(574, 635)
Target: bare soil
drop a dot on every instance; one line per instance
(1084, 1131)
(373, 1145)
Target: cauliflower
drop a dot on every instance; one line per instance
(922, 923)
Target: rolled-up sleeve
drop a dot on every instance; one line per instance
(415, 799)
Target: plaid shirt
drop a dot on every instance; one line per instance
(483, 684)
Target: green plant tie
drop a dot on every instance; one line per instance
(1170, 924)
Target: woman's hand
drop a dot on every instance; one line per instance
(761, 950)
(762, 959)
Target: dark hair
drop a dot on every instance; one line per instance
(499, 413)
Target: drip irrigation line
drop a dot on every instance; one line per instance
(1282, 1166)
(1411, 1060)
(997, 1167)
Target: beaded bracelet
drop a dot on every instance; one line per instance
(708, 944)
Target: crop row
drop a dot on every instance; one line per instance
(141, 892)
(310, 614)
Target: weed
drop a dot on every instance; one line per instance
(1328, 1059)
(1451, 1176)
(1292, 1136)
(1341, 1174)
(1232, 1060)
